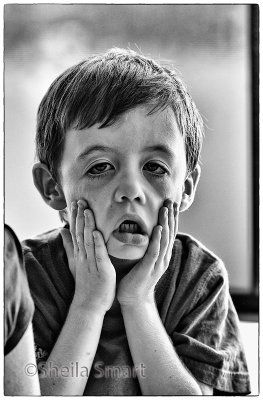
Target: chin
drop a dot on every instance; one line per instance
(127, 252)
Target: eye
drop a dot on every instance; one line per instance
(154, 168)
(100, 168)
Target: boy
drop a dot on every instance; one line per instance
(124, 304)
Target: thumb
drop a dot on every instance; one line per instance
(68, 246)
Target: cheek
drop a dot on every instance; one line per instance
(82, 191)
(97, 201)
(170, 189)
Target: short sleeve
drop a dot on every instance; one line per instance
(207, 337)
(18, 304)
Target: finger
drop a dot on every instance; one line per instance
(176, 219)
(101, 254)
(164, 238)
(88, 238)
(171, 223)
(69, 248)
(80, 223)
(152, 252)
(165, 230)
(73, 216)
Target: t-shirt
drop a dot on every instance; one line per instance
(19, 306)
(194, 305)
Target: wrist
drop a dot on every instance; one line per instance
(88, 308)
(138, 305)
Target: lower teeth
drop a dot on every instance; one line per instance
(128, 228)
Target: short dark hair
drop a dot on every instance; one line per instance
(100, 89)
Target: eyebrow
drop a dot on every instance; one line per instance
(93, 149)
(160, 148)
(106, 149)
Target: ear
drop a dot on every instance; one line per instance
(47, 186)
(190, 185)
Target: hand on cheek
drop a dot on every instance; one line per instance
(95, 277)
(138, 285)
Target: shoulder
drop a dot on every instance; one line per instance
(194, 273)
(194, 247)
(45, 259)
(51, 284)
(36, 243)
(194, 257)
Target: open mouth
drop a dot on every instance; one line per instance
(128, 226)
(131, 232)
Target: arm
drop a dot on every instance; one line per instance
(76, 345)
(94, 293)
(16, 381)
(151, 348)
(150, 345)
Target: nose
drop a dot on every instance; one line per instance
(130, 188)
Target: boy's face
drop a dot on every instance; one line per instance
(125, 172)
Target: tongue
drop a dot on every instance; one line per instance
(129, 227)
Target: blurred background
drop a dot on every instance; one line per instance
(211, 47)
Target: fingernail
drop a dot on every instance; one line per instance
(175, 205)
(167, 203)
(80, 203)
(95, 235)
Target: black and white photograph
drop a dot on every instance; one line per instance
(131, 199)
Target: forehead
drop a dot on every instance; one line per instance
(134, 132)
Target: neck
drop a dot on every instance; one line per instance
(122, 266)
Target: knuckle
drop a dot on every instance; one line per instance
(154, 254)
(75, 253)
(166, 241)
(88, 244)
(72, 232)
(98, 246)
(99, 258)
(79, 237)
(82, 257)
